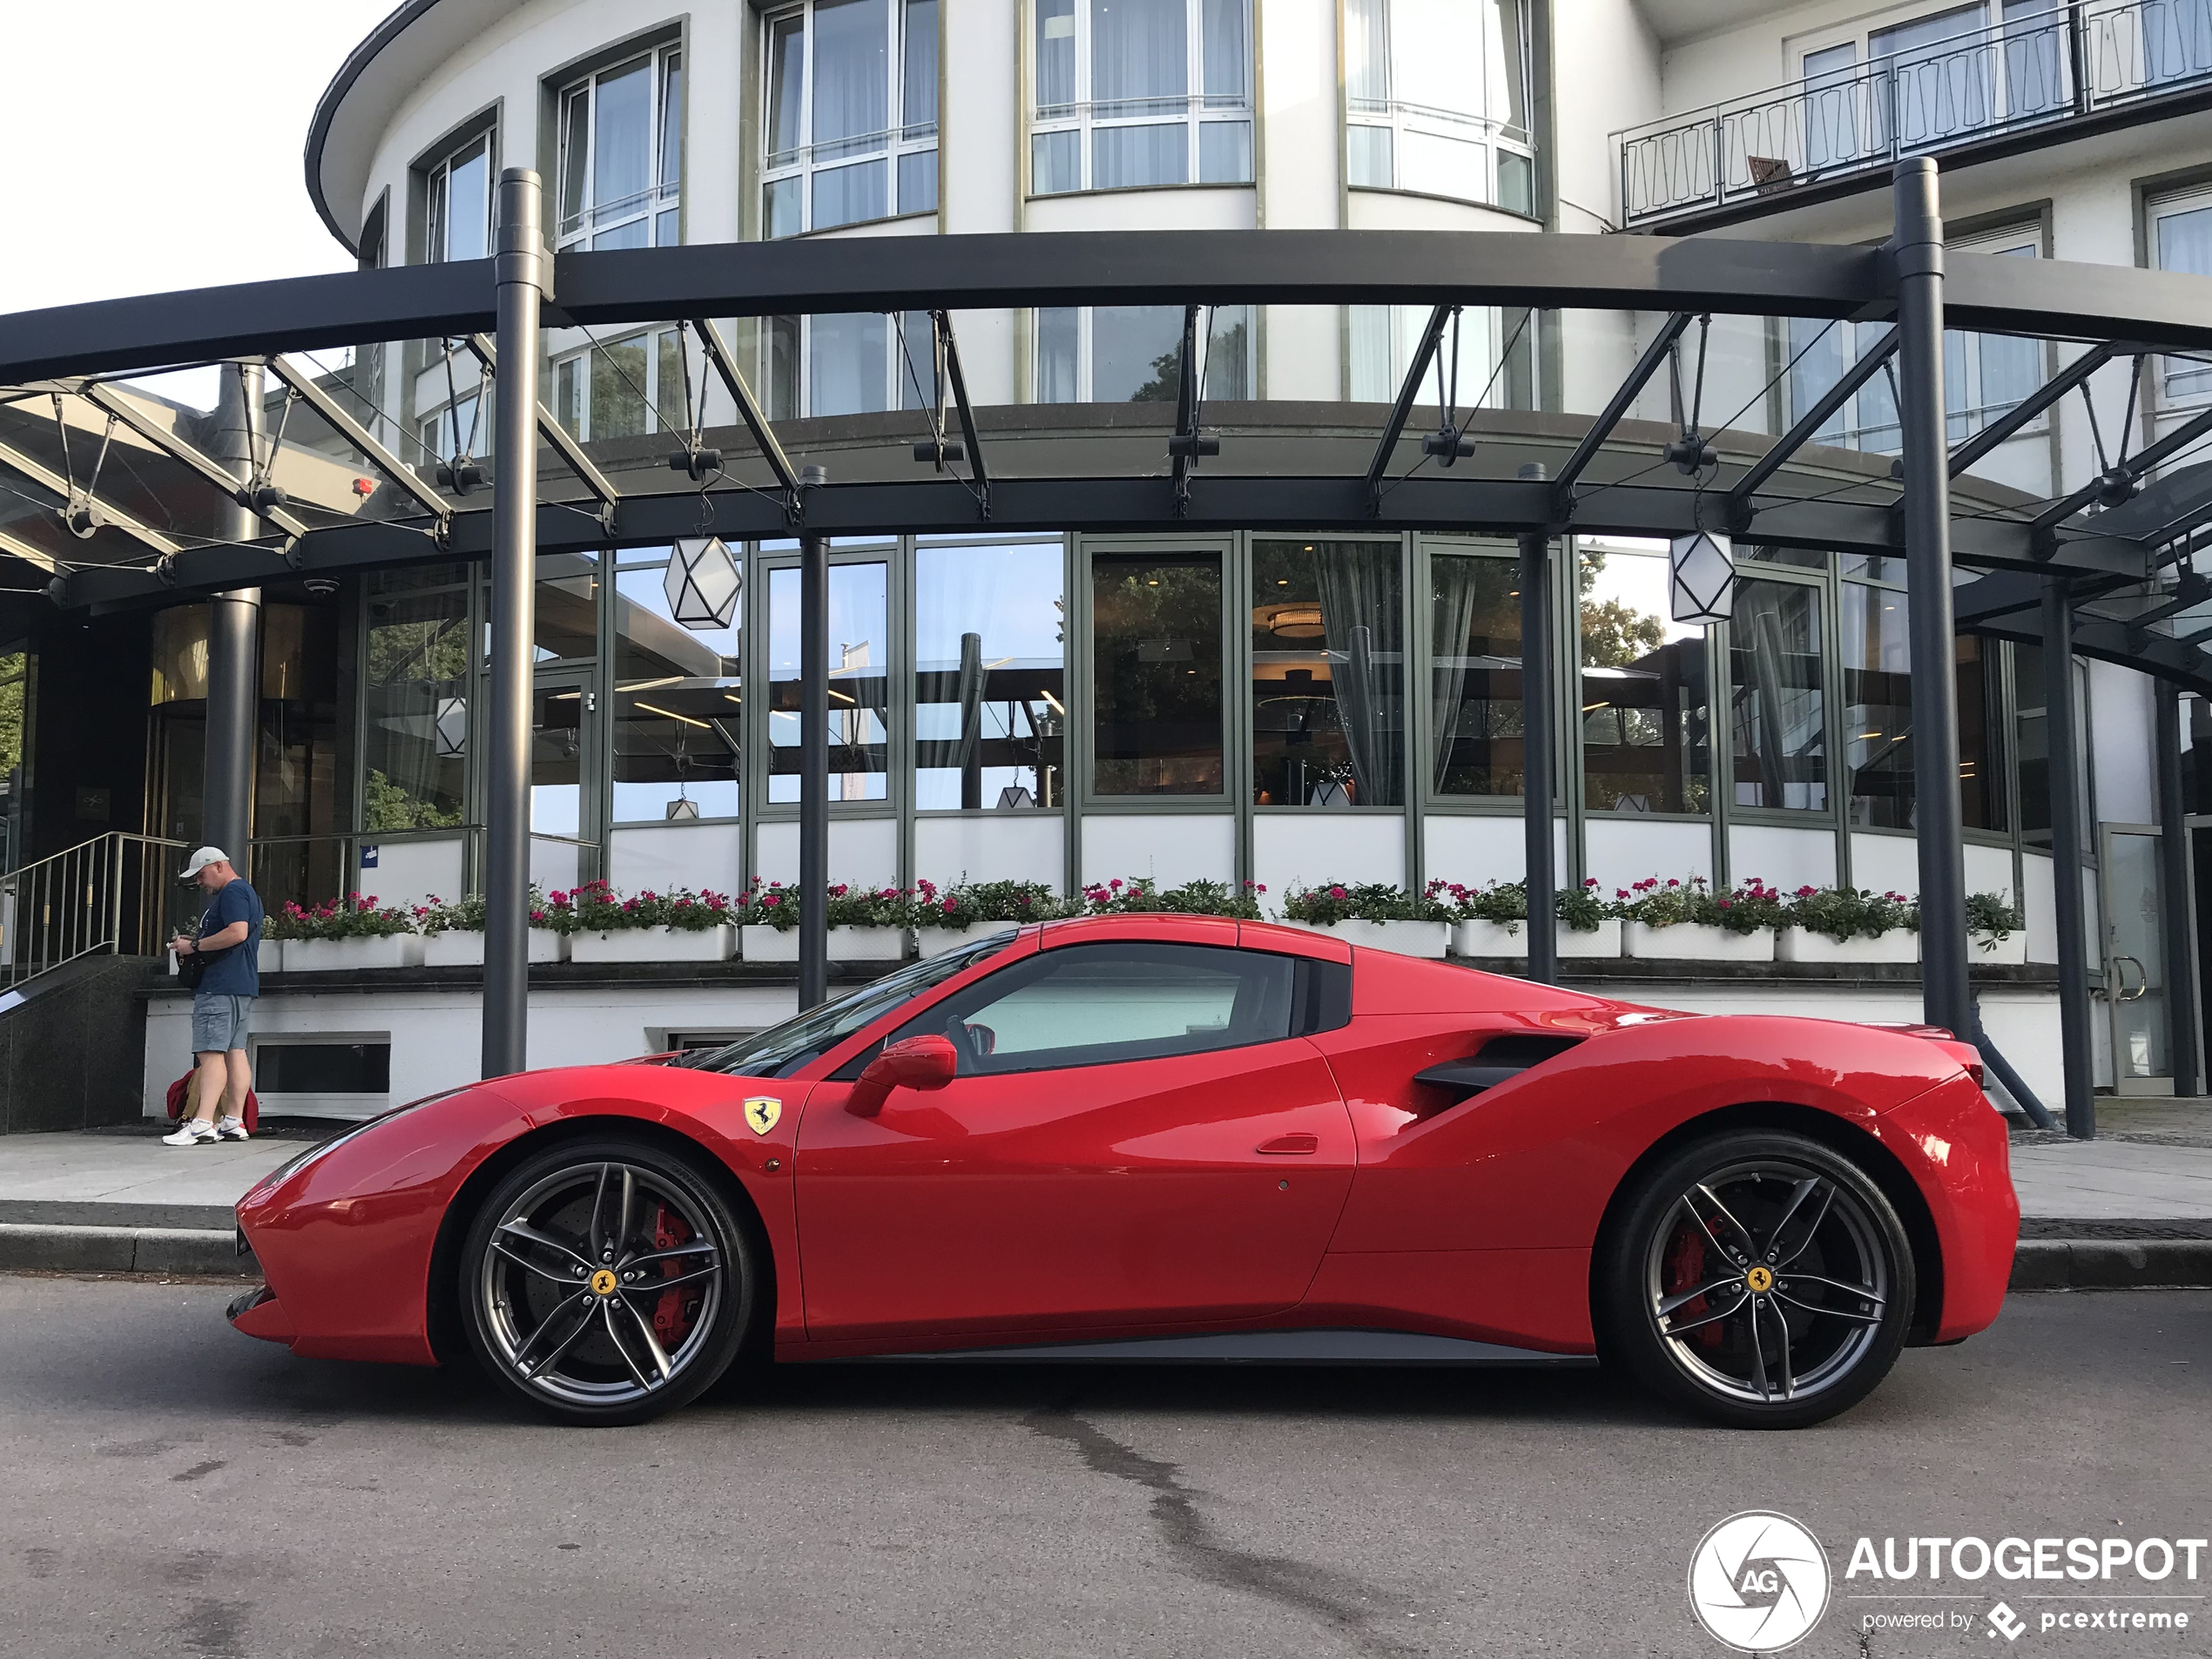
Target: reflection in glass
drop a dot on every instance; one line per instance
(1647, 723)
(1981, 777)
(1878, 706)
(2133, 886)
(1775, 709)
(1328, 674)
(677, 704)
(990, 714)
(1156, 648)
(415, 732)
(557, 765)
(1475, 622)
(568, 607)
(859, 683)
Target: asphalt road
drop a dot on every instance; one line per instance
(170, 1487)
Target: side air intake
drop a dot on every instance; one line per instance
(1500, 1060)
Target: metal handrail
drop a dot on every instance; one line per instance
(85, 899)
(2042, 68)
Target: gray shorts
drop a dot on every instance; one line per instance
(219, 1022)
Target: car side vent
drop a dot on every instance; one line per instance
(1500, 1060)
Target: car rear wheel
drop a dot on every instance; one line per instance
(1760, 1278)
(606, 1281)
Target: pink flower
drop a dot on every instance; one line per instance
(949, 905)
(1620, 893)
(1724, 903)
(538, 915)
(1805, 892)
(1262, 886)
(1672, 882)
(772, 899)
(1336, 893)
(1115, 883)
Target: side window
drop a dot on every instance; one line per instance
(1091, 1005)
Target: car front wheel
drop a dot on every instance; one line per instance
(1759, 1279)
(606, 1281)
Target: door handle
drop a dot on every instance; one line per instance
(2124, 994)
(1300, 1145)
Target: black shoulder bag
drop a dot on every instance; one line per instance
(192, 969)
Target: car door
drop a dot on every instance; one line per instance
(1135, 1135)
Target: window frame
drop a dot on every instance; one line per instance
(660, 205)
(1086, 354)
(1080, 117)
(1497, 138)
(900, 140)
(577, 422)
(437, 173)
(2159, 204)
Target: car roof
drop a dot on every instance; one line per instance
(1218, 931)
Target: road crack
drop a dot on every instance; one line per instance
(1323, 1594)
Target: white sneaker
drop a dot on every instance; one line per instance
(231, 1128)
(191, 1132)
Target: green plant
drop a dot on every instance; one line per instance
(1849, 912)
(1745, 910)
(1325, 906)
(1580, 909)
(352, 917)
(1991, 918)
(771, 904)
(1505, 903)
(966, 904)
(596, 908)
(1142, 895)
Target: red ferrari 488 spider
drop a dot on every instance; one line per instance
(1171, 1136)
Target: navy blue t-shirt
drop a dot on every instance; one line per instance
(235, 972)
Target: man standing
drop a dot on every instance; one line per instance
(229, 942)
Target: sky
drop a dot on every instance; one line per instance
(167, 155)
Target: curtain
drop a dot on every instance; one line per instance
(1367, 77)
(622, 144)
(1457, 583)
(1359, 621)
(1226, 60)
(852, 74)
(1139, 50)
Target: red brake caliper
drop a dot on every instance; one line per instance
(1686, 1267)
(672, 1315)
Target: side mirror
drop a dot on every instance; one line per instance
(917, 1062)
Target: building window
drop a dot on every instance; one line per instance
(1986, 375)
(1155, 674)
(859, 683)
(1134, 354)
(1136, 93)
(457, 225)
(1877, 705)
(1436, 99)
(1982, 801)
(679, 699)
(622, 154)
(414, 727)
(849, 122)
(1328, 708)
(1383, 340)
(2181, 240)
(1474, 644)
(626, 387)
(848, 362)
(1646, 720)
(462, 427)
(1776, 706)
(990, 683)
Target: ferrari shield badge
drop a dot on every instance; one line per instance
(762, 1112)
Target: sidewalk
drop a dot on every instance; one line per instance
(2136, 1202)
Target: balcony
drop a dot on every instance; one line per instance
(1989, 91)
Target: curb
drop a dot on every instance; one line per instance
(42, 1248)
(2111, 1264)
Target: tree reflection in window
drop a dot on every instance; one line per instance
(1156, 650)
(1647, 724)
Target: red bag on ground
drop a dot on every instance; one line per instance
(183, 1096)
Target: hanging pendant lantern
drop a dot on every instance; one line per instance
(1702, 571)
(702, 584)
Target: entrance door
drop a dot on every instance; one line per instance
(2135, 987)
(1134, 1137)
(565, 749)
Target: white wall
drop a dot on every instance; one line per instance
(1622, 851)
(1475, 852)
(702, 857)
(1306, 849)
(1171, 849)
(407, 873)
(1787, 859)
(992, 847)
(862, 851)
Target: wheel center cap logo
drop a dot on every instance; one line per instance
(604, 1282)
(1759, 1581)
(1760, 1279)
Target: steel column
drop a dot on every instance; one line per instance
(234, 637)
(2173, 886)
(1542, 880)
(523, 270)
(1917, 249)
(2061, 738)
(813, 771)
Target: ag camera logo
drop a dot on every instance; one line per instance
(1759, 1581)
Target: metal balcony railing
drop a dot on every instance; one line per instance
(2042, 68)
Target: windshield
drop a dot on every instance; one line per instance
(783, 1050)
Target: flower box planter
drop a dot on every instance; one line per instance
(270, 960)
(652, 945)
(353, 956)
(464, 948)
(1497, 938)
(1987, 948)
(1802, 945)
(1695, 942)
(760, 944)
(1406, 938)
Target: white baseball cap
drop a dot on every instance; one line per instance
(200, 860)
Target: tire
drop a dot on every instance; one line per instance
(1759, 1279)
(606, 1281)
